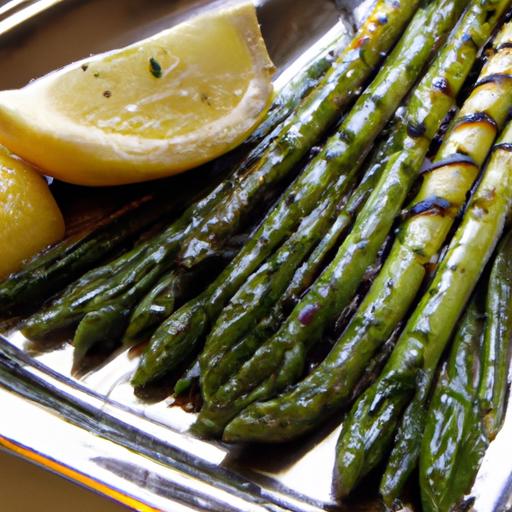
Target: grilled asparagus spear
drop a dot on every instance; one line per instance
(313, 117)
(496, 350)
(460, 422)
(320, 110)
(475, 128)
(279, 362)
(328, 174)
(453, 440)
(406, 378)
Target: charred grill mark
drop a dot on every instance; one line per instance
(503, 46)
(416, 130)
(439, 136)
(477, 117)
(434, 205)
(505, 146)
(441, 84)
(455, 159)
(494, 78)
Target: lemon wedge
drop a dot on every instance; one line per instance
(30, 219)
(158, 107)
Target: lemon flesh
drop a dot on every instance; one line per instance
(155, 108)
(30, 219)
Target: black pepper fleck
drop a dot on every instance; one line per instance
(107, 94)
(84, 67)
(155, 68)
(205, 99)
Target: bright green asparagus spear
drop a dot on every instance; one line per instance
(313, 117)
(329, 172)
(496, 351)
(280, 361)
(405, 381)
(457, 425)
(453, 440)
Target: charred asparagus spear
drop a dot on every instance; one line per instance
(328, 174)
(313, 117)
(492, 96)
(280, 361)
(496, 351)
(453, 440)
(405, 381)
(457, 427)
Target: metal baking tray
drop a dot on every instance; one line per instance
(93, 429)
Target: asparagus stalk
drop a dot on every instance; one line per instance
(300, 86)
(496, 350)
(330, 172)
(453, 439)
(279, 362)
(230, 357)
(220, 360)
(263, 289)
(457, 427)
(313, 117)
(405, 381)
(171, 292)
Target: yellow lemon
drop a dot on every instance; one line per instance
(30, 219)
(160, 106)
